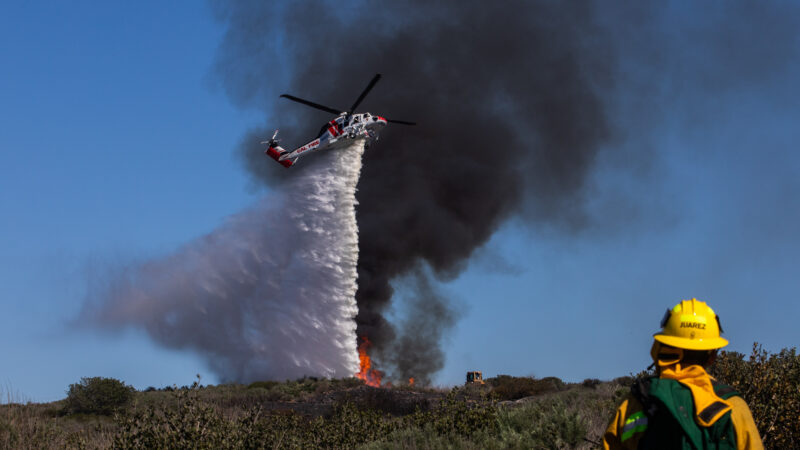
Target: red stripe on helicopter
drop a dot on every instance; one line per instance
(332, 128)
(273, 153)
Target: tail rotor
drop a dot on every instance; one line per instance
(275, 151)
(272, 142)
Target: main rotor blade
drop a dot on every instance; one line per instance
(312, 104)
(401, 122)
(366, 91)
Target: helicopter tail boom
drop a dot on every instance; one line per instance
(277, 152)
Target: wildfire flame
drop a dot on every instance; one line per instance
(411, 381)
(370, 376)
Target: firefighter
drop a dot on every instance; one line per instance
(683, 407)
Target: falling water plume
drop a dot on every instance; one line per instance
(270, 294)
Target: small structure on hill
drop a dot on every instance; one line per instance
(474, 377)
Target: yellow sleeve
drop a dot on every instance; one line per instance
(747, 437)
(614, 438)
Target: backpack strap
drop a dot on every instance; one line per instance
(641, 392)
(724, 391)
(711, 411)
(638, 422)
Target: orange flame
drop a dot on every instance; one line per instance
(411, 381)
(370, 376)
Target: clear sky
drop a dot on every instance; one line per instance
(116, 145)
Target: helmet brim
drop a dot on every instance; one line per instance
(691, 344)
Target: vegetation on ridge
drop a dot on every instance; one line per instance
(508, 412)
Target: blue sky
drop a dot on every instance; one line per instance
(116, 145)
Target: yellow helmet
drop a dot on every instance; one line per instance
(691, 325)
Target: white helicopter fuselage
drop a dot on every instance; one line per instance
(340, 131)
(337, 133)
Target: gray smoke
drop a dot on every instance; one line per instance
(511, 119)
(515, 103)
(268, 295)
(426, 318)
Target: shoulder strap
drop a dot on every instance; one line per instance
(641, 391)
(724, 391)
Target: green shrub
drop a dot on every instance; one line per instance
(424, 438)
(347, 427)
(190, 425)
(456, 417)
(552, 383)
(198, 426)
(624, 380)
(770, 383)
(541, 424)
(97, 395)
(350, 426)
(591, 383)
(8, 435)
(263, 385)
(545, 423)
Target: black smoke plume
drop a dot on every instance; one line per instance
(511, 117)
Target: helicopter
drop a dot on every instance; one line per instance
(339, 132)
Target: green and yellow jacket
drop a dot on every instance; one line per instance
(683, 408)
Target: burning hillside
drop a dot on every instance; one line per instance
(372, 377)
